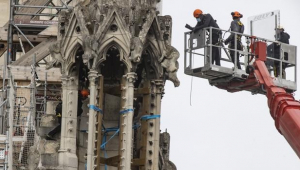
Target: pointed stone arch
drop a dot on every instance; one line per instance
(71, 54)
(106, 46)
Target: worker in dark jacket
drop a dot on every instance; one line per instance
(58, 112)
(236, 26)
(203, 21)
(284, 38)
(82, 95)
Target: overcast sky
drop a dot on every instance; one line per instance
(221, 130)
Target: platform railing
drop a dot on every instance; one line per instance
(199, 44)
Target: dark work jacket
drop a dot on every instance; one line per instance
(284, 38)
(236, 26)
(58, 111)
(207, 21)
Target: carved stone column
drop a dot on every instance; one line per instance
(126, 119)
(151, 126)
(159, 89)
(147, 150)
(67, 154)
(91, 157)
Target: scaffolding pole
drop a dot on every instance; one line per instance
(45, 7)
(8, 95)
(10, 122)
(12, 25)
(7, 60)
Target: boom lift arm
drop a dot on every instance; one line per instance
(284, 109)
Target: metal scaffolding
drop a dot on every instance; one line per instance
(17, 120)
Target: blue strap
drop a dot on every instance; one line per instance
(96, 108)
(148, 117)
(126, 111)
(103, 145)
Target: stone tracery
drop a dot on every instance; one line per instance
(126, 48)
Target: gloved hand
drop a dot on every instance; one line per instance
(188, 27)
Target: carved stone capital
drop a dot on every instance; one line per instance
(69, 82)
(93, 75)
(159, 86)
(64, 81)
(131, 77)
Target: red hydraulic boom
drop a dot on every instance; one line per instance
(284, 109)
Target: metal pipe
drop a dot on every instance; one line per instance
(185, 47)
(10, 33)
(48, 7)
(235, 52)
(25, 87)
(210, 47)
(245, 35)
(24, 36)
(68, 8)
(45, 61)
(276, 26)
(33, 85)
(21, 43)
(45, 93)
(63, 3)
(46, 14)
(41, 10)
(7, 60)
(33, 25)
(226, 52)
(205, 50)
(10, 122)
(3, 103)
(55, 6)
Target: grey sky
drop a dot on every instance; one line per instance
(221, 130)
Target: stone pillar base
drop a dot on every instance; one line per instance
(68, 161)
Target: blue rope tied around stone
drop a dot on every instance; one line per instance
(126, 111)
(113, 129)
(148, 117)
(109, 130)
(104, 141)
(97, 109)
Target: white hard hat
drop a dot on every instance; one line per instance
(280, 27)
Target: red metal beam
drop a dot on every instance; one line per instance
(284, 109)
